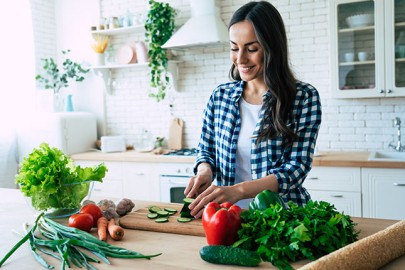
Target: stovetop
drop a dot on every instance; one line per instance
(183, 152)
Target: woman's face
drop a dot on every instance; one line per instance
(246, 52)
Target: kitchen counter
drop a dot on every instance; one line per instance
(179, 251)
(327, 158)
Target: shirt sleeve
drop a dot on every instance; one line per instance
(298, 159)
(206, 146)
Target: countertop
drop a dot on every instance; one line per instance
(327, 158)
(179, 251)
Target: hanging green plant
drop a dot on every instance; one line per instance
(159, 28)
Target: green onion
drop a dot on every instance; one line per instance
(66, 244)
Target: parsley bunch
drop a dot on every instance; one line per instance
(281, 236)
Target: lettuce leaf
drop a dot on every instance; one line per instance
(52, 180)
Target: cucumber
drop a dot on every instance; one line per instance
(229, 255)
(162, 220)
(183, 219)
(152, 215)
(154, 209)
(162, 213)
(170, 210)
(188, 200)
(185, 212)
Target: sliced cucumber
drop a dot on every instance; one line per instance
(152, 215)
(162, 220)
(162, 213)
(170, 210)
(229, 255)
(188, 200)
(183, 219)
(154, 209)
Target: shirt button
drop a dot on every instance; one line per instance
(254, 172)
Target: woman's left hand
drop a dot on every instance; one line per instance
(213, 193)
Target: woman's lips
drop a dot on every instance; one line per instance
(244, 69)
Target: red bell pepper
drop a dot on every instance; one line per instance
(221, 223)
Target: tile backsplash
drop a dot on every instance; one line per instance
(354, 124)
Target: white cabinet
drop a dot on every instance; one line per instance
(133, 180)
(367, 51)
(112, 182)
(339, 186)
(141, 181)
(383, 193)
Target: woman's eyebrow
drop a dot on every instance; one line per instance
(246, 44)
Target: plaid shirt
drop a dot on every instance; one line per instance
(219, 137)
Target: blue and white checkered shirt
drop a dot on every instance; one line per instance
(290, 165)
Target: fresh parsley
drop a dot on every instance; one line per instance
(282, 236)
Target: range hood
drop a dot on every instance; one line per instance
(205, 27)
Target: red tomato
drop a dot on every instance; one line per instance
(94, 210)
(82, 221)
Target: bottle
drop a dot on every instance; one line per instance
(69, 104)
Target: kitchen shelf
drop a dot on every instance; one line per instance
(121, 30)
(104, 72)
(368, 62)
(357, 29)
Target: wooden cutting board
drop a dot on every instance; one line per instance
(138, 220)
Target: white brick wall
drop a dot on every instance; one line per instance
(356, 124)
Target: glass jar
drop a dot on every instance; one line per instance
(114, 23)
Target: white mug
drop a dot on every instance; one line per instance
(349, 57)
(363, 56)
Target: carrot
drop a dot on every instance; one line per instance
(102, 224)
(116, 232)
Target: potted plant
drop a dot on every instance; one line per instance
(159, 28)
(56, 77)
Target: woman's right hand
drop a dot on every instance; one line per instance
(199, 182)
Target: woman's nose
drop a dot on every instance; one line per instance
(241, 58)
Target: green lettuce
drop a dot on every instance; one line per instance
(52, 180)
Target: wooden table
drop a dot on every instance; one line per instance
(179, 252)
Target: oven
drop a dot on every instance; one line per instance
(174, 177)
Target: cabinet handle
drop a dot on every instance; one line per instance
(382, 91)
(389, 91)
(337, 196)
(399, 184)
(313, 178)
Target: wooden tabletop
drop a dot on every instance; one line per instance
(178, 251)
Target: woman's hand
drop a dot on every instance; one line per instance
(213, 193)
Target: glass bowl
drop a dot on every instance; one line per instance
(62, 203)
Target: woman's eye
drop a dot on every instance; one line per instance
(234, 49)
(252, 50)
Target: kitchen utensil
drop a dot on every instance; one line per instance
(138, 220)
(175, 134)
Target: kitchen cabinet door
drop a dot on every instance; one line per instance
(383, 193)
(339, 186)
(347, 202)
(368, 48)
(141, 181)
(112, 182)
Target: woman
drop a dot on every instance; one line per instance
(259, 131)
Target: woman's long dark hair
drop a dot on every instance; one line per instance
(279, 79)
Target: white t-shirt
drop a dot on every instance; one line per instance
(249, 114)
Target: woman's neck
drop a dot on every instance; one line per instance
(253, 92)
